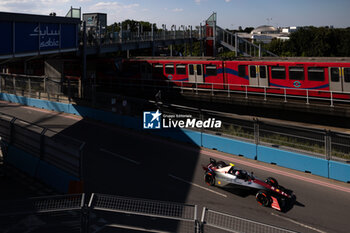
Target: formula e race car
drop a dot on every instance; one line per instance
(268, 193)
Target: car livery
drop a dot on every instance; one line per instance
(268, 193)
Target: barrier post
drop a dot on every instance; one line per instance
(256, 131)
(246, 92)
(332, 99)
(285, 95)
(307, 96)
(265, 93)
(212, 89)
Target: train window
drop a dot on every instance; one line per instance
(347, 75)
(241, 71)
(278, 72)
(169, 69)
(316, 73)
(158, 69)
(191, 70)
(296, 73)
(334, 74)
(211, 70)
(181, 69)
(252, 71)
(262, 71)
(199, 70)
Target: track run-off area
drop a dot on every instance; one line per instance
(138, 164)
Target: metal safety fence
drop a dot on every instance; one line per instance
(49, 146)
(217, 222)
(150, 214)
(326, 144)
(108, 213)
(42, 214)
(41, 87)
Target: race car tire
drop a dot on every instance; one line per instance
(272, 181)
(263, 198)
(209, 179)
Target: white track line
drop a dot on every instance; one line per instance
(196, 185)
(120, 156)
(298, 223)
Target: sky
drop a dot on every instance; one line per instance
(230, 13)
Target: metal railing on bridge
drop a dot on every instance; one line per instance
(234, 42)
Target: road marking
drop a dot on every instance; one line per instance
(298, 223)
(196, 185)
(120, 156)
(279, 172)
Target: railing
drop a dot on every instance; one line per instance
(318, 143)
(217, 222)
(240, 45)
(128, 37)
(105, 213)
(245, 91)
(56, 149)
(41, 87)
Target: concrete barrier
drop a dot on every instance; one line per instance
(293, 160)
(34, 167)
(339, 171)
(21, 160)
(228, 145)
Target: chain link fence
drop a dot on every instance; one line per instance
(217, 222)
(42, 214)
(107, 213)
(140, 214)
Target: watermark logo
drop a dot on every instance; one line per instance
(152, 120)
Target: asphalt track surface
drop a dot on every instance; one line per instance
(129, 163)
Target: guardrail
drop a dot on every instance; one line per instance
(105, 213)
(52, 157)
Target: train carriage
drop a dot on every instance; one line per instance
(318, 77)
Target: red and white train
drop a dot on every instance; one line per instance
(320, 77)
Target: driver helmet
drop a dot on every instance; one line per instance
(237, 173)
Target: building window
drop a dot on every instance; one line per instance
(278, 72)
(316, 73)
(241, 71)
(211, 70)
(296, 73)
(169, 68)
(181, 69)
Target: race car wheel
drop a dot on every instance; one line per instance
(209, 179)
(272, 181)
(263, 198)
